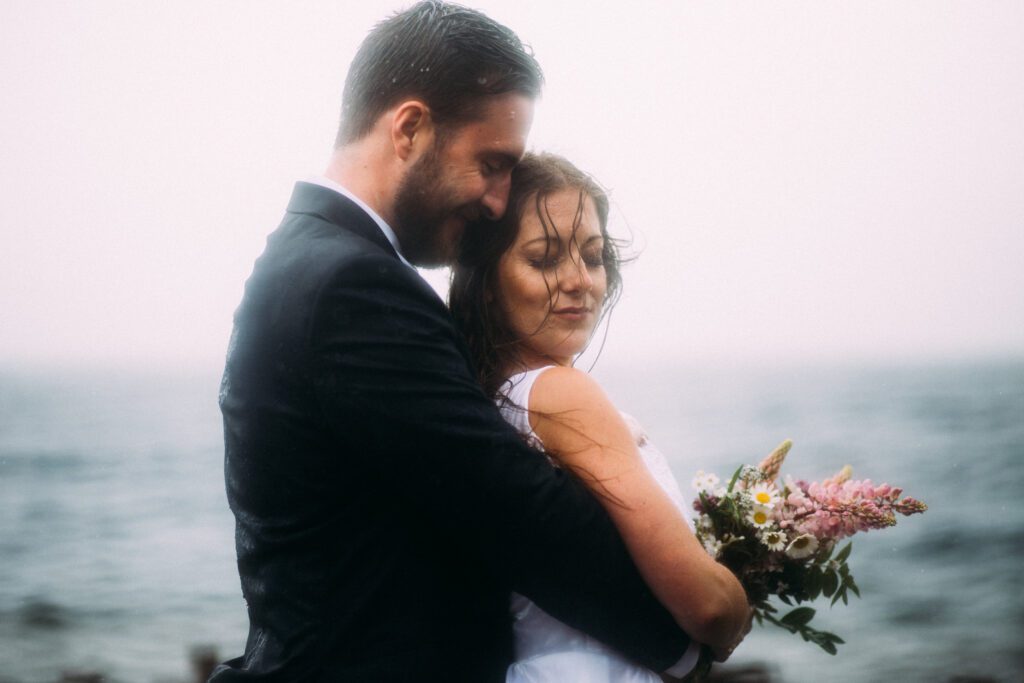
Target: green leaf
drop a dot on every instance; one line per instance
(797, 622)
(735, 476)
(853, 586)
(845, 552)
(823, 639)
(829, 583)
(785, 599)
(799, 617)
(813, 584)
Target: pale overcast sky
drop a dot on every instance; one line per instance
(826, 179)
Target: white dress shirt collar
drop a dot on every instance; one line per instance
(324, 181)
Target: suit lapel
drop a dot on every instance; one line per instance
(339, 210)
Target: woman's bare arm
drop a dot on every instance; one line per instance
(584, 432)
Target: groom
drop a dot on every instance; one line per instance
(384, 510)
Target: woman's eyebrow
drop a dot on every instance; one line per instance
(553, 239)
(548, 238)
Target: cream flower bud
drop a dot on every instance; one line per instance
(770, 465)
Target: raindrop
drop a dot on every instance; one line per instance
(482, 80)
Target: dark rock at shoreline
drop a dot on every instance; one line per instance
(751, 673)
(204, 660)
(42, 614)
(82, 677)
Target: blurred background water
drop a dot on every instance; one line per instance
(116, 551)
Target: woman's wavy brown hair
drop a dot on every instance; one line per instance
(475, 291)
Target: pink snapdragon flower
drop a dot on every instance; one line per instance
(839, 507)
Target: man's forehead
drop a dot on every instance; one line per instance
(501, 134)
(505, 117)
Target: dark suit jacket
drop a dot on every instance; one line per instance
(384, 510)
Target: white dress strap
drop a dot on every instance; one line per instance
(515, 403)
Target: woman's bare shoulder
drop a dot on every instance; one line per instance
(560, 389)
(569, 409)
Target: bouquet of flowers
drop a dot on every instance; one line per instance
(781, 539)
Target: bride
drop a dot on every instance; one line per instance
(528, 293)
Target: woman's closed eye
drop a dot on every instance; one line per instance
(594, 258)
(545, 262)
(544, 255)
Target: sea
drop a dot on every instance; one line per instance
(116, 542)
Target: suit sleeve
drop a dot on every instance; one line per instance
(388, 370)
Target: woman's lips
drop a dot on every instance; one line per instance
(572, 312)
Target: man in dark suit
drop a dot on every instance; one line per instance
(384, 510)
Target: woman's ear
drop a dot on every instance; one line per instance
(412, 128)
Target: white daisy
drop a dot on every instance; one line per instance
(764, 494)
(802, 546)
(705, 481)
(713, 546)
(760, 516)
(773, 539)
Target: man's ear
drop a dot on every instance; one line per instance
(411, 128)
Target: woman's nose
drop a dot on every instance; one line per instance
(577, 278)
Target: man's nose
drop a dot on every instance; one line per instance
(495, 199)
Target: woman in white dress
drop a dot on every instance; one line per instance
(528, 293)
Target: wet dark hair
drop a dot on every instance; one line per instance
(473, 295)
(446, 55)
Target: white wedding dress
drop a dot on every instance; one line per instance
(546, 650)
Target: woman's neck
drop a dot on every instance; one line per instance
(527, 362)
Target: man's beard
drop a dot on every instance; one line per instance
(421, 207)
